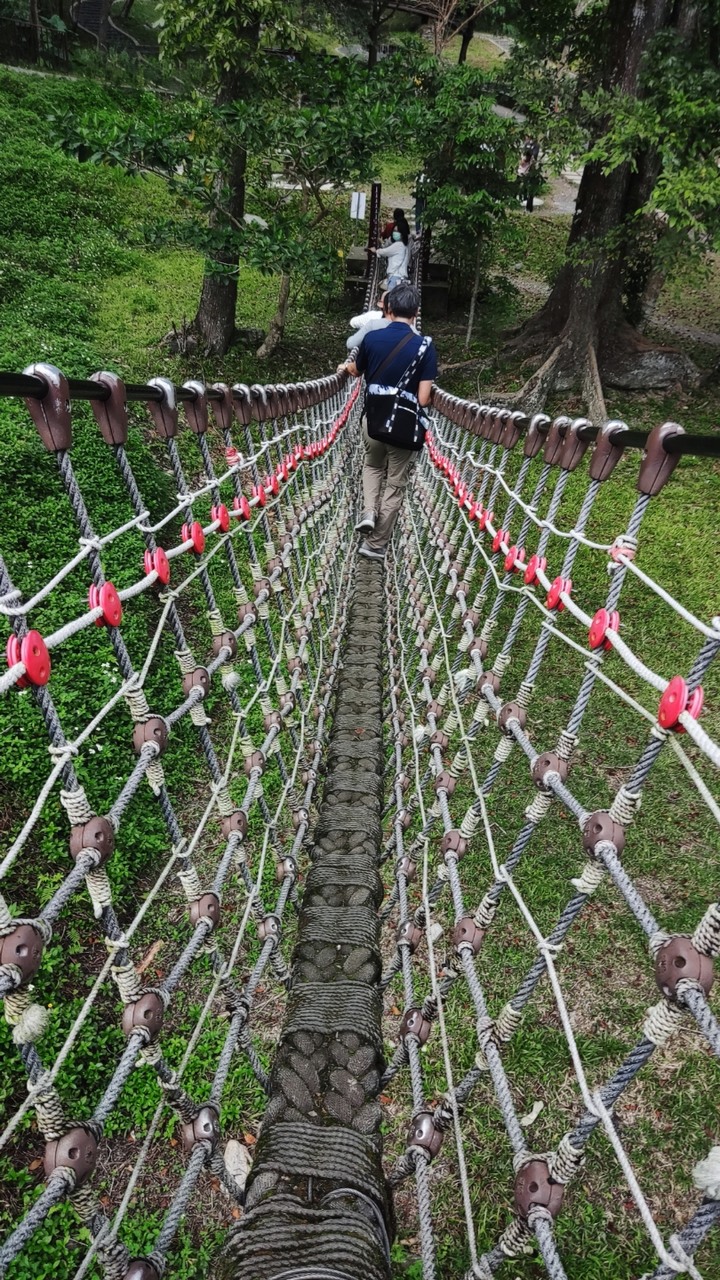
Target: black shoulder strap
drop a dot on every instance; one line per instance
(425, 343)
(395, 351)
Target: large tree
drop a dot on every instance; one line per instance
(321, 131)
(318, 128)
(224, 39)
(469, 170)
(583, 334)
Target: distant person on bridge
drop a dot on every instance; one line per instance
(529, 172)
(399, 365)
(399, 223)
(398, 257)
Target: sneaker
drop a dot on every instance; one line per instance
(366, 523)
(371, 553)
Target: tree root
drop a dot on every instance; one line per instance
(532, 396)
(592, 388)
(629, 363)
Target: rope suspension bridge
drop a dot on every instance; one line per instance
(356, 727)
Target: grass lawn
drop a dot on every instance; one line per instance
(482, 53)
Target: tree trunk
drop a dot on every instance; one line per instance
(103, 28)
(373, 42)
(475, 291)
(582, 331)
(277, 324)
(34, 14)
(466, 41)
(214, 323)
(125, 13)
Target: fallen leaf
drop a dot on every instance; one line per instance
(35, 1164)
(250, 1139)
(395, 1010)
(385, 1099)
(235, 1213)
(532, 1115)
(150, 955)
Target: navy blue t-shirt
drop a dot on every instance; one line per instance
(376, 347)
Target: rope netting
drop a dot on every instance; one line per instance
(251, 638)
(465, 599)
(256, 569)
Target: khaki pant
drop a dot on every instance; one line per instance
(392, 468)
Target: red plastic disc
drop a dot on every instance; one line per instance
(108, 600)
(33, 652)
(161, 566)
(259, 493)
(499, 537)
(534, 563)
(694, 706)
(221, 514)
(672, 703)
(12, 654)
(675, 700)
(514, 560)
(194, 533)
(243, 506)
(553, 596)
(598, 627)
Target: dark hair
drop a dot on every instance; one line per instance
(402, 225)
(403, 301)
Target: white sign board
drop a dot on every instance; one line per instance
(357, 205)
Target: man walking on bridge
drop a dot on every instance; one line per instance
(399, 365)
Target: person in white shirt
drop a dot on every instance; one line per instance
(398, 257)
(371, 320)
(373, 314)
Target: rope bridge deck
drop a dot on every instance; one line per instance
(348, 722)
